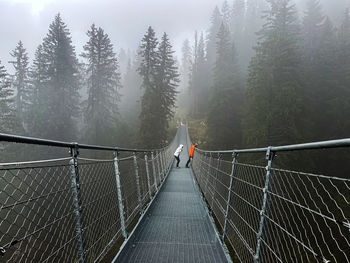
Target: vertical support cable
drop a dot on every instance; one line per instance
(161, 165)
(119, 193)
(208, 175)
(74, 172)
(154, 172)
(159, 171)
(216, 180)
(138, 187)
(148, 180)
(230, 189)
(269, 157)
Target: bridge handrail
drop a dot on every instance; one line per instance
(38, 141)
(293, 147)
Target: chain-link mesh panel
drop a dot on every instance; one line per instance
(100, 212)
(36, 213)
(292, 217)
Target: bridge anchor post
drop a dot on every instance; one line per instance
(230, 190)
(269, 156)
(79, 229)
(119, 193)
(138, 187)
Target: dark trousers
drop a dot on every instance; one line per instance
(189, 160)
(178, 160)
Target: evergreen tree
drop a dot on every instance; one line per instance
(186, 61)
(9, 121)
(200, 80)
(56, 74)
(275, 94)
(38, 96)
(216, 20)
(167, 82)
(225, 105)
(160, 79)
(226, 12)
(103, 82)
(149, 127)
(21, 78)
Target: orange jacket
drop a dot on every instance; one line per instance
(192, 150)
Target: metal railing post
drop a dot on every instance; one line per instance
(119, 193)
(159, 171)
(148, 179)
(216, 180)
(230, 189)
(138, 187)
(161, 165)
(208, 174)
(154, 172)
(74, 172)
(269, 157)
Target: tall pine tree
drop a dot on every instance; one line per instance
(21, 79)
(275, 94)
(160, 79)
(56, 73)
(103, 83)
(226, 100)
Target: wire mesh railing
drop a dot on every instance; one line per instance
(75, 209)
(269, 214)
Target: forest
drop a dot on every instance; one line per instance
(268, 72)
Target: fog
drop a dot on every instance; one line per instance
(124, 20)
(123, 82)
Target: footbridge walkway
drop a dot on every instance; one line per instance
(110, 204)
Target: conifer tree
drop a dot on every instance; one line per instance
(9, 121)
(103, 83)
(186, 61)
(149, 130)
(226, 100)
(216, 20)
(275, 94)
(160, 79)
(21, 78)
(38, 96)
(56, 73)
(200, 80)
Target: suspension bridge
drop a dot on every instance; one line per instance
(134, 206)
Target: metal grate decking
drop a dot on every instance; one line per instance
(177, 227)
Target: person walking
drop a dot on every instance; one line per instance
(191, 154)
(177, 154)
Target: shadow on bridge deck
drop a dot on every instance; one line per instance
(177, 227)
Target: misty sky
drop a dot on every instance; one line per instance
(124, 20)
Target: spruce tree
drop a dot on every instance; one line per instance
(9, 120)
(21, 78)
(103, 83)
(39, 95)
(160, 79)
(200, 80)
(167, 82)
(226, 100)
(149, 126)
(216, 20)
(275, 94)
(59, 84)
